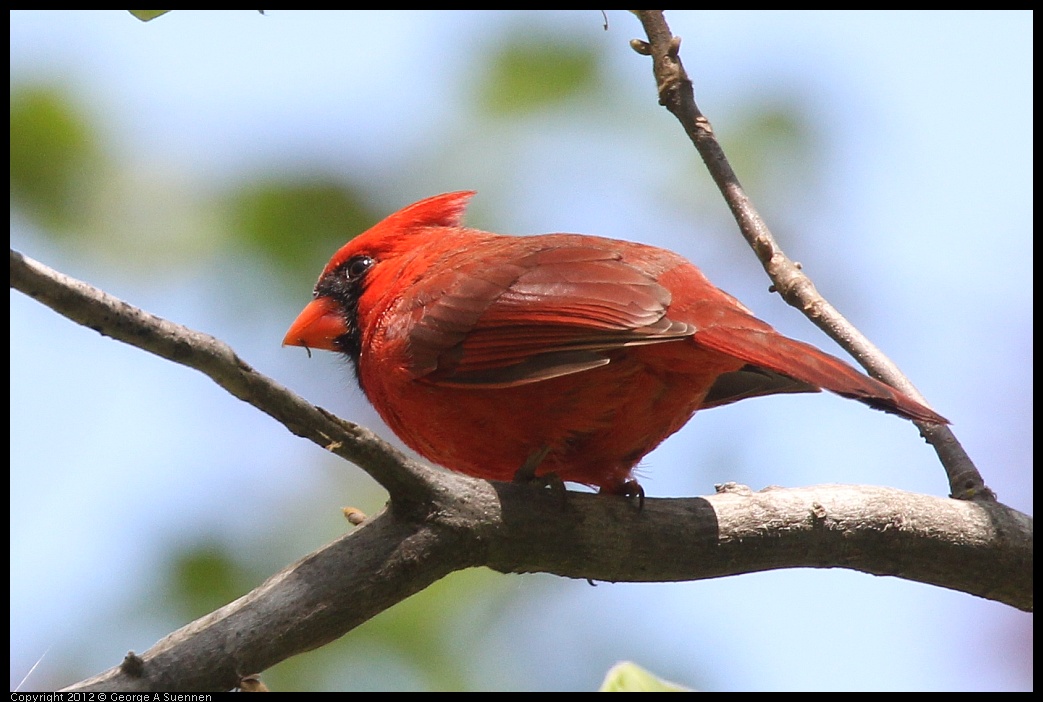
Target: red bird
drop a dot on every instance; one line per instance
(567, 354)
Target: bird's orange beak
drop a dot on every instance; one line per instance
(317, 326)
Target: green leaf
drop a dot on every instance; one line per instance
(55, 156)
(298, 225)
(206, 576)
(534, 72)
(146, 15)
(630, 677)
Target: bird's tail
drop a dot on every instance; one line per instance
(777, 364)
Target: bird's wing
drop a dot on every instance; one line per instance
(559, 309)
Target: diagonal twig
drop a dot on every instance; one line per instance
(113, 317)
(677, 95)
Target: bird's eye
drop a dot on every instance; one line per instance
(357, 267)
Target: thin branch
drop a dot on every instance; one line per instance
(403, 478)
(677, 95)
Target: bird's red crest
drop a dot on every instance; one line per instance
(445, 210)
(391, 234)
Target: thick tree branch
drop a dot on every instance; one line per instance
(677, 95)
(982, 548)
(438, 522)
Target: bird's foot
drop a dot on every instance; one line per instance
(627, 488)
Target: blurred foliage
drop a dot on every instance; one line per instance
(74, 185)
(419, 634)
(533, 70)
(429, 634)
(66, 183)
(775, 146)
(296, 224)
(205, 577)
(55, 156)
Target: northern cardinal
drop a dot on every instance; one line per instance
(565, 354)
